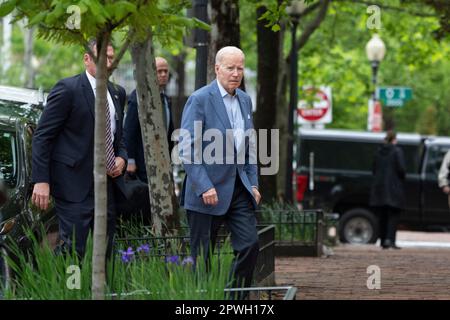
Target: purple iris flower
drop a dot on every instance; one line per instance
(187, 261)
(144, 248)
(128, 255)
(173, 259)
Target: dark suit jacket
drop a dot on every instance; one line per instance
(63, 143)
(133, 136)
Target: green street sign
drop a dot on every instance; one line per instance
(393, 96)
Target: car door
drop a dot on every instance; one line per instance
(435, 202)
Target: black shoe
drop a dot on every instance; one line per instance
(386, 244)
(395, 247)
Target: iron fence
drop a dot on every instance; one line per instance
(299, 232)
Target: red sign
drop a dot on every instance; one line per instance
(377, 120)
(320, 107)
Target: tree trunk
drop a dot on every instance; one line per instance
(165, 217)
(6, 46)
(281, 111)
(100, 191)
(269, 53)
(180, 100)
(28, 72)
(225, 30)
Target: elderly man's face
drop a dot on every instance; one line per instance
(230, 71)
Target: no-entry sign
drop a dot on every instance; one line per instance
(315, 105)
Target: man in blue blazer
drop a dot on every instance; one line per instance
(221, 190)
(63, 154)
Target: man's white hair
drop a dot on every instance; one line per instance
(230, 50)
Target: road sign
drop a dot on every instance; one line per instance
(375, 116)
(393, 96)
(315, 106)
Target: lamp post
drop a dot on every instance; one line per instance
(375, 50)
(294, 11)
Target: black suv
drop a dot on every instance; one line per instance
(334, 172)
(19, 111)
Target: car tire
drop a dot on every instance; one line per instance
(5, 272)
(358, 226)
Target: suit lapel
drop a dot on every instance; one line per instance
(244, 110)
(115, 98)
(219, 106)
(88, 93)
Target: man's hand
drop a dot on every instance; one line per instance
(210, 197)
(256, 194)
(131, 168)
(446, 189)
(41, 195)
(118, 168)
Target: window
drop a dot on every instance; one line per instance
(8, 157)
(351, 155)
(434, 160)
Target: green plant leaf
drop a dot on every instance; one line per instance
(7, 7)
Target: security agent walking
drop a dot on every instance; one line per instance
(63, 154)
(222, 191)
(388, 190)
(444, 175)
(132, 127)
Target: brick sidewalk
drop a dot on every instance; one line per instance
(409, 273)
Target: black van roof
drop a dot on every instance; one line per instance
(340, 134)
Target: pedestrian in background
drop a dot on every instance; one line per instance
(388, 190)
(443, 178)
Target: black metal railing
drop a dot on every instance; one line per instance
(179, 245)
(297, 232)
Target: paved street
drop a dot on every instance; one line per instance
(421, 270)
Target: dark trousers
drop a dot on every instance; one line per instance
(241, 222)
(388, 220)
(76, 220)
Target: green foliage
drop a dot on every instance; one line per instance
(42, 275)
(335, 56)
(291, 224)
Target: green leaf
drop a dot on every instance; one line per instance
(7, 7)
(276, 27)
(38, 18)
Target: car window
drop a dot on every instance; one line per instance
(8, 157)
(351, 155)
(434, 160)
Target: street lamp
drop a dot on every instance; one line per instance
(375, 51)
(294, 11)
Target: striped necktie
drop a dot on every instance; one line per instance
(110, 158)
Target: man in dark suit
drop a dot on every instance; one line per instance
(221, 190)
(63, 154)
(132, 128)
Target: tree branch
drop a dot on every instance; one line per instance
(313, 25)
(122, 51)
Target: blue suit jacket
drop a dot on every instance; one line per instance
(206, 105)
(63, 143)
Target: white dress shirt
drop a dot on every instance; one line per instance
(234, 115)
(112, 109)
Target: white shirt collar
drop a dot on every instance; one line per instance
(224, 92)
(92, 81)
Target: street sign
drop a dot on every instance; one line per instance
(374, 116)
(315, 106)
(393, 96)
